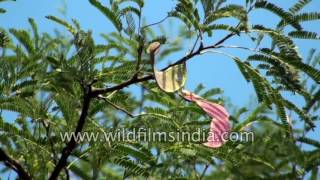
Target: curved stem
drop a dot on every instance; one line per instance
(161, 21)
(14, 165)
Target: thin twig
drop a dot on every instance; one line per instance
(116, 106)
(200, 49)
(204, 171)
(47, 129)
(194, 45)
(138, 69)
(139, 23)
(161, 21)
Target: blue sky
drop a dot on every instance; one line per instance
(214, 71)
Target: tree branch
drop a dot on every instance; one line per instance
(97, 91)
(204, 171)
(201, 48)
(161, 21)
(15, 165)
(72, 143)
(116, 106)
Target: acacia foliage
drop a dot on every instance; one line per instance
(47, 88)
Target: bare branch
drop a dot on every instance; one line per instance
(97, 91)
(14, 165)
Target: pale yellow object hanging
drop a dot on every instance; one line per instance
(171, 79)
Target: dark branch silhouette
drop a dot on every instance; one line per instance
(14, 165)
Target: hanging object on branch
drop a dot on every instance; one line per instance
(220, 125)
(173, 78)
